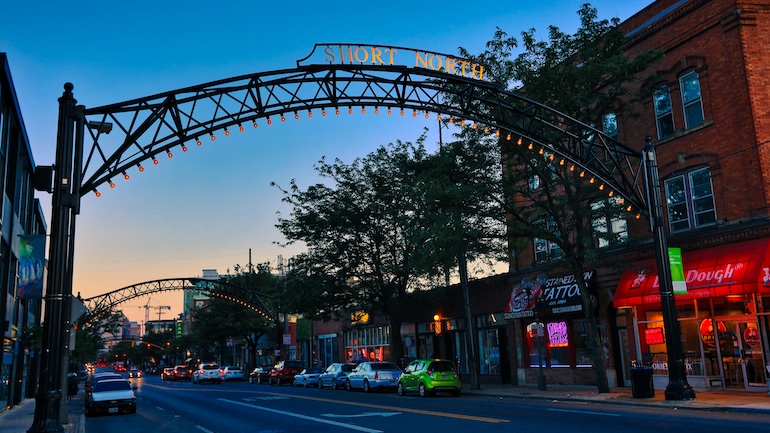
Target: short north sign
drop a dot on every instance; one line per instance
(361, 54)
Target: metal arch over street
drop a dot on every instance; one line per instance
(352, 75)
(212, 288)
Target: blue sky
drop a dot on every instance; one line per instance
(206, 208)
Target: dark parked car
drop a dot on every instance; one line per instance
(259, 375)
(284, 372)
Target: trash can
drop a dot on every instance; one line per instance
(641, 382)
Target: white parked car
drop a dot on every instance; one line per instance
(308, 377)
(207, 372)
(232, 372)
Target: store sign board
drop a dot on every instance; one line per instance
(677, 271)
(556, 295)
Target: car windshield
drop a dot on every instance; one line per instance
(441, 366)
(210, 367)
(112, 385)
(385, 366)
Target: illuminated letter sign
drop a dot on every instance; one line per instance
(365, 54)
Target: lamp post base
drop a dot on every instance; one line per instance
(46, 418)
(679, 392)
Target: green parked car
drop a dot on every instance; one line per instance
(428, 376)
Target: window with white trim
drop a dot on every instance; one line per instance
(664, 118)
(691, 99)
(610, 227)
(690, 200)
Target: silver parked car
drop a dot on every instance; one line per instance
(335, 375)
(373, 375)
(308, 377)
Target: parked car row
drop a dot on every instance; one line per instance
(422, 376)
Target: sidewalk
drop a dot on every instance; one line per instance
(729, 401)
(19, 418)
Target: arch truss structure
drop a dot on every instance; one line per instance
(211, 288)
(142, 129)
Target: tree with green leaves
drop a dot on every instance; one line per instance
(586, 76)
(89, 331)
(359, 229)
(223, 319)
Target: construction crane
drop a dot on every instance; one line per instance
(147, 307)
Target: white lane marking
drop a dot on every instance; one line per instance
(359, 415)
(305, 417)
(584, 412)
(160, 408)
(203, 429)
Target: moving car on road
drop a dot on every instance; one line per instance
(182, 372)
(207, 372)
(373, 375)
(167, 374)
(134, 372)
(427, 376)
(335, 375)
(110, 396)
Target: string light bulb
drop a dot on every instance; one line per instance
(170, 155)
(390, 111)
(451, 119)
(376, 110)
(620, 200)
(497, 133)
(601, 187)
(98, 194)
(414, 113)
(283, 119)
(112, 184)
(141, 169)
(486, 130)
(474, 125)
(336, 110)
(254, 122)
(402, 111)
(154, 161)
(240, 127)
(363, 110)
(582, 174)
(561, 162)
(572, 167)
(184, 148)
(212, 137)
(427, 115)
(309, 113)
(462, 122)
(611, 193)
(508, 137)
(323, 112)
(296, 115)
(531, 146)
(198, 141)
(227, 133)
(591, 180)
(350, 110)
(519, 141)
(126, 176)
(269, 122)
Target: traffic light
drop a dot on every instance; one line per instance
(178, 329)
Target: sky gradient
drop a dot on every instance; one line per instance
(206, 208)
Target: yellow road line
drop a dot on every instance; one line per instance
(394, 408)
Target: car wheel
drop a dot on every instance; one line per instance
(320, 385)
(304, 383)
(259, 381)
(366, 386)
(334, 384)
(422, 391)
(400, 389)
(347, 385)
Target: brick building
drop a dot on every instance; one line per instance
(707, 114)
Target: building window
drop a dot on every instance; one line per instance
(664, 118)
(545, 249)
(610, 125)
(691, 99)
(690, 200)
(610, 227)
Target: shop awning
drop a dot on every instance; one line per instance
(734, 269)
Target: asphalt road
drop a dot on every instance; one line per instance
(176, 407)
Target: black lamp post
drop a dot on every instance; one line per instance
(58, 298)
(678, 388)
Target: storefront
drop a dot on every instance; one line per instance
(723, 317)
(370, 343)
(563, 347)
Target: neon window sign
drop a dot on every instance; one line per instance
(557, 334)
